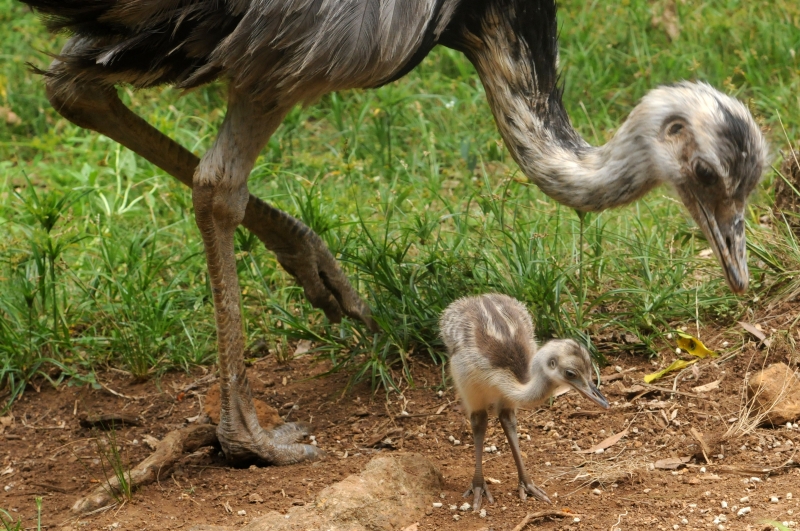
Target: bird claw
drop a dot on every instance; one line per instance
(478, 492)
(278, 446)
(527, 487)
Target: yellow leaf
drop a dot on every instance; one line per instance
(694, 346)
(674, 366)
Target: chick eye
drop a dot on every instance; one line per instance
(704, 174)
(570, 374)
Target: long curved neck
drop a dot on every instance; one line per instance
(539, 388)
(512, 44)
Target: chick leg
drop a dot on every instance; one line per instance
(478, 419)
(508, 420)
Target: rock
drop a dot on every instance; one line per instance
(391, 493)
(776, 392)
(268, 416)
(255, 498)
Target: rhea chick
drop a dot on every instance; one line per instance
(495, 365)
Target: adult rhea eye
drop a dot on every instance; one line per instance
(571, 374)
(704, 174)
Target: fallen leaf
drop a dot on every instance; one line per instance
(303, 346)
(753, 330)
(694, 346)
(707, 387)
(493, 481)
(674, 366)
(671, 463)
(8, 471)
(703, 444)
(610, 441)
(441, 408)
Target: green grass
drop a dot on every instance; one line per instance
(410, 185)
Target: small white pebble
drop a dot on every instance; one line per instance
(456, 517)
(134, 442)
(242, 513)
(724, 504)
(547, 463)
(528, 436)
(669, 335)
(576, 519)
(482, 514)
(440, 393)
(743, 511)
(437, 505)
(755, 480)
(774, 499)
(7, 488)
(618, 368)
(451, 439)
(677, 351)
(702, 470)
(465, 507)
(493, 448)
(684, 521)
(597, 492)
(454, 507)
(788, 495)
(456, 442)
(312, 437)
(744, 499)
(725, 344)
(599, 451)
(646, 490)
(676, 526)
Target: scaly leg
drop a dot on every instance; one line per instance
(220, 197)
(478, 419)
(299, 250)
(508, 420)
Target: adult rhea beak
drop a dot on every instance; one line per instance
(590, 391)
(722, 221)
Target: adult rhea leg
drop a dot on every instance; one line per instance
(298, 249)
(478, 419)
(220, 197)
(508, 420)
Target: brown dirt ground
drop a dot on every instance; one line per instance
(46, 453)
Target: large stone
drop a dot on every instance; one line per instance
(776, 394)
(391, 493)
(268, 416)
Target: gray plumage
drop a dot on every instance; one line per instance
(497, 366)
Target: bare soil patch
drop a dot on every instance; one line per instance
(47, 452)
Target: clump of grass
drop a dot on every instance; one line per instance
(116, 473)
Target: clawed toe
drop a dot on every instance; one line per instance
(289, 433)
(526, 488)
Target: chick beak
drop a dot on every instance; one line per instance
(590, 391)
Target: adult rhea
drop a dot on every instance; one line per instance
(274, 54)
